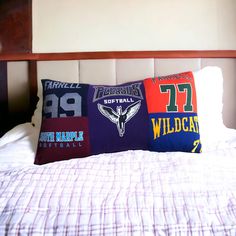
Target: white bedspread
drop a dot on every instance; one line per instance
(126, 193)
(18, 146)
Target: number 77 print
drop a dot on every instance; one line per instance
(171, 94)
(172, 90)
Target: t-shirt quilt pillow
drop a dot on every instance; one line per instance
(79, 120)
(117, 117)
(172, 113)
(64, 131)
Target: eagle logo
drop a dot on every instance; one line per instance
(120, 118)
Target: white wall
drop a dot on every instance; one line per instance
(109, 25)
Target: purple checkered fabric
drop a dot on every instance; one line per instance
(126, 193)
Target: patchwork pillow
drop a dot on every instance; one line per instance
(79, 120)
(117, 117)
(172, 111)
(64, 130)
(209, 102)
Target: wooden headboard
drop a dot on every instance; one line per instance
(118, 55)
(222, 58)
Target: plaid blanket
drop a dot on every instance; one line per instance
(125, 193)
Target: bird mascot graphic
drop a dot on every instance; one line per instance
(119, 117)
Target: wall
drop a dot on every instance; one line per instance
(88, 25)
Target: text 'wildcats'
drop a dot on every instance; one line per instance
(164, 126)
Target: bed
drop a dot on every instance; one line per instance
(130, 190)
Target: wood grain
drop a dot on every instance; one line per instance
(3, 97)
(16, 26)
(118, 55)
(32, 72)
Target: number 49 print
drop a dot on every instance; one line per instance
(173, 89)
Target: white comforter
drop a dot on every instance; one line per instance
(126, 193)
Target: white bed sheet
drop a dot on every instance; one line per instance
(18, 146)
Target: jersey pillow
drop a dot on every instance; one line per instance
(172, 111)
(117, 117)
(79, 120)
(64, 130)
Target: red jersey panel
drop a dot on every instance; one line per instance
(172, 93)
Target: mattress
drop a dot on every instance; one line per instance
(124, 193)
